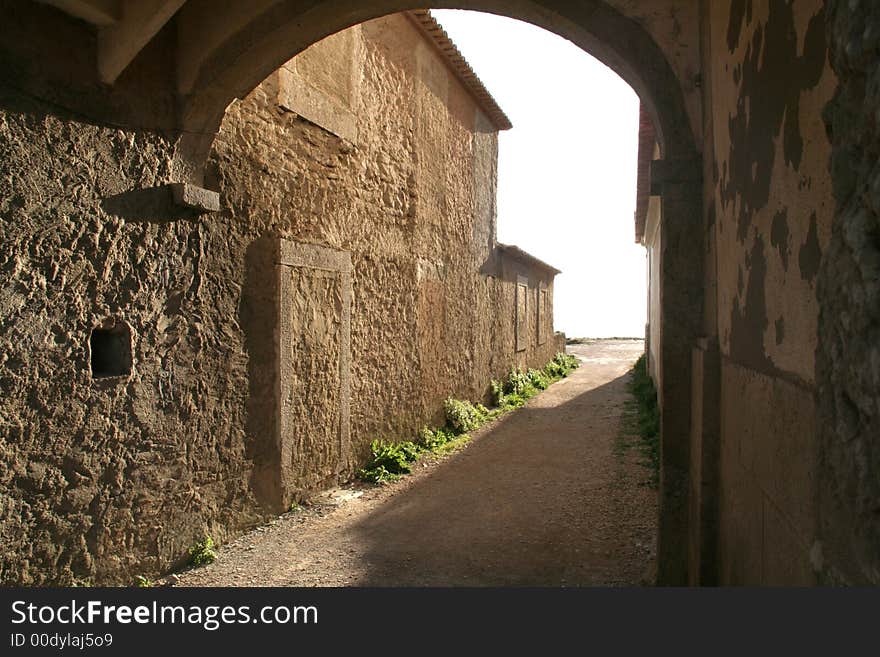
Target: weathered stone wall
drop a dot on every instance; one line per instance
(771, 204)
(848, 357)
(538, 343)
(106, 478)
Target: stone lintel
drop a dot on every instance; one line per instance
(294, 254)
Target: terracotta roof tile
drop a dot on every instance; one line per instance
(429, 26)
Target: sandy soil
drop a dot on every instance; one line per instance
(541, 497)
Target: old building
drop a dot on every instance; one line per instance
(761, 171)
(192, 371)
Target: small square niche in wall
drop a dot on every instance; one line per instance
(110, 350)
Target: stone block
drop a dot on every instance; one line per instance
(195, 197)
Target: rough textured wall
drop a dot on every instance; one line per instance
(371, 198)
(539, 344)
(770, 80)
(104, 478)
(848, 358)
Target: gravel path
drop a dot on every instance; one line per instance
(541, 497)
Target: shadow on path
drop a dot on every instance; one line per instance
(541, 499)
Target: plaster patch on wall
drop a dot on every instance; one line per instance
(775, 196)
(740, 12)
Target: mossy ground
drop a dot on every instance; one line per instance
(640, 423)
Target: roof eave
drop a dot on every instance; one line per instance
(518, 253)
(449, 52)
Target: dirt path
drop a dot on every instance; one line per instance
(541, 497)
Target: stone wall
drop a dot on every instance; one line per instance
(754, 450)
(105, 478)
(848, 355)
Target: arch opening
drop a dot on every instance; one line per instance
(215, 85)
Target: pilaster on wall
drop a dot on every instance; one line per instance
(681, 313)
(313, 367)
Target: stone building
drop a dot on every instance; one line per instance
(758, 203)
(190, 371)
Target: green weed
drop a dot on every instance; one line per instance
(462, 416)
(561, 366)
(202, 553)
(433, 439)
(642, 417)
(538, 379)
(389, 461)
(516, 382)
(496, 392)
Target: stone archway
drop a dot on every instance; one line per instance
(240, 48)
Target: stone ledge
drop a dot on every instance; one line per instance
(198, 198)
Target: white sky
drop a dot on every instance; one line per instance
(567, 169)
